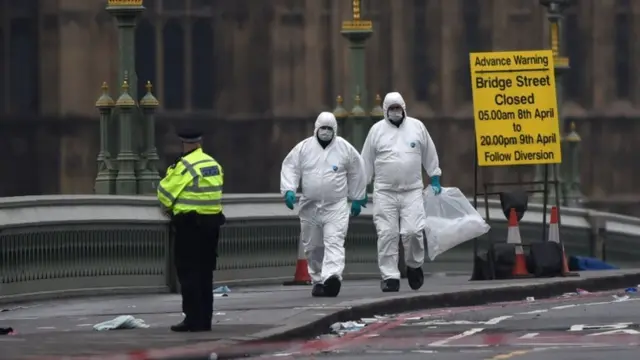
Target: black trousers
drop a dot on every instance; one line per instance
(196, 251)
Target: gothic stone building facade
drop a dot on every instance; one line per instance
(255, 73)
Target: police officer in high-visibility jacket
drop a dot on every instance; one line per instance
(191, 192)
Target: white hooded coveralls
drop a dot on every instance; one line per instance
(394, 157)
(329, 175)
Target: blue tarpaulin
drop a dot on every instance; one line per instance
(582, 263)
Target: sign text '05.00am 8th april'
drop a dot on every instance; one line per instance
(515, 108)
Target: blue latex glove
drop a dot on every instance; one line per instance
(290, 199)
(355, 208)
(435, 184)
(364, 201)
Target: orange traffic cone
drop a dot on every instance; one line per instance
(513, 237)
(301, 276)
(554, 236)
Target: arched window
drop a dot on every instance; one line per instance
(622, 45)
(173, 65)
(3, 69)
(175, 50)
(327, 53)
(574, 41)
(473, 40)
(421, 69)
(202, 66)
(20, 57)
(146, 54)
(523, 30)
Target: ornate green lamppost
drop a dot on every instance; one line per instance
(134, 171)
(126, 182)
(571, 174)
(555, 16)
(126, 13)
(147, 172)
(106, 179)
(357, 121)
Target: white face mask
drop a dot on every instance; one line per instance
(395, 115)
(325, 134)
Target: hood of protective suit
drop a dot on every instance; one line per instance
(326, 119)
(393, 98)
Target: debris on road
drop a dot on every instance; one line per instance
(6, 331)
(341, 328)
(12, 309)
(221, 291)
(375, 319)
(121, 322)
(578, 292)
(621, 297)
(631, 290)
(530, 299)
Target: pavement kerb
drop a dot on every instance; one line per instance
(240, 347)
(503, 293)
(495, 292)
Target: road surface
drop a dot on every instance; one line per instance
(588, 326)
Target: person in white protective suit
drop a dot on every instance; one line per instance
(394, 153)
(331, 170)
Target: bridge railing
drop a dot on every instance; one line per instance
(54, 246)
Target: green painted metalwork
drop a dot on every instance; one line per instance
(131, 133)
(126, 182)
(572, 192)
(555, 16)
(341, 115)
(106, 178)
(357, 121)
(377, 113)
(126, 15)
(148, 177)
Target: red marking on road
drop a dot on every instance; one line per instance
(360, 336)
(372, 332)
(479, 340)
(365, 335)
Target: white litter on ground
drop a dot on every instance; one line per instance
(121, 322)
(342, 328)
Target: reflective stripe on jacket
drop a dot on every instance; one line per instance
(193, 184)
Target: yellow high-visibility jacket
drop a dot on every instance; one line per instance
(193, 184)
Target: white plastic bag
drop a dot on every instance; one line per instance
(121, 322)
(451, 220)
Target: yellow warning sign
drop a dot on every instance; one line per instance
(515, 108)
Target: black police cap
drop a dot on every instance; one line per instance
(190, 135)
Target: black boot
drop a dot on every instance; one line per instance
(318, 290)
(415, 277)
(390, 285)
(332, 286)
(182, 327)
